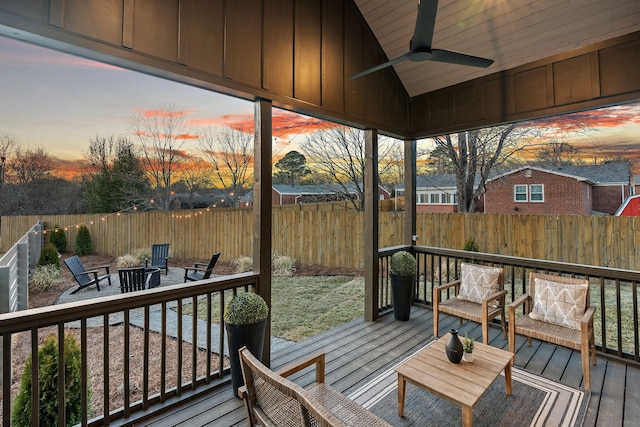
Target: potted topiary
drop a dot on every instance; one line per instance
(403, 279)
(245, 319)
(467, 347)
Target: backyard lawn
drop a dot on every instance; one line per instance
(304, 306)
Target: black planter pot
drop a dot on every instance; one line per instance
(238, 336)
(402, 293)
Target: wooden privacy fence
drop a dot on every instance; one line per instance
(332, 234)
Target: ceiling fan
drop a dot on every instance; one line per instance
(420, 45)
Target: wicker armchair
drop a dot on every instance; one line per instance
(568, 326)
(272, 400)
(479, 297)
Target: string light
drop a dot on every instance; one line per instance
(131, 209)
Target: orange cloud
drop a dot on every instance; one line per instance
(164, 113)
(285, 124)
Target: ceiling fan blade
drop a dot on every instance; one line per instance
(381, 66)
(450, 57)
(425, 24)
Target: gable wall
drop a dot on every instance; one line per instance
(562, 195)
(594, 76)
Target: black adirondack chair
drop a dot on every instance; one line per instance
(200, 270)
(135, 279)
(86, 277)
(159, 257)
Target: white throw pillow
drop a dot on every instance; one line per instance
(559, 303)
(477, 282)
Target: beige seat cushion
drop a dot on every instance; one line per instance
(559, 303)
(477, 282)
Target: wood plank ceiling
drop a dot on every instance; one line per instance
(510, 32)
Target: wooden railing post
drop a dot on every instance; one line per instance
(371, 225)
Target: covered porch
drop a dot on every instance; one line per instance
(299, 56)
(359, 351)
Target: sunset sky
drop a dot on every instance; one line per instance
(60, 102)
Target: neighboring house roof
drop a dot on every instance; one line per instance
(313, 189)
(308, 190)
(607, 174)
(441, 181)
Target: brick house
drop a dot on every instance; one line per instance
(565, 190)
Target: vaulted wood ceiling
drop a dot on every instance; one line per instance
(510, 32)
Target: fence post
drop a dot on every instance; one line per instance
(35, 244)
(23, 276)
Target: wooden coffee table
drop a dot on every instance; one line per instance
(463, 383)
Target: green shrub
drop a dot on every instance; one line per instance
(44, 277)
(49, 256)
(403, 264)
(245, 308)
(58, 238)
(470, 245)
(83, 241)
(48, 385)
(282, 265)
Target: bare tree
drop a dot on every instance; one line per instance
(230, 152)
(163, 134)
(557, 153)
(337, 152)
(194, 177)
(7, 143)
(476, 153)
(27, 177)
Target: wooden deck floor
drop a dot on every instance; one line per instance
(358, 350)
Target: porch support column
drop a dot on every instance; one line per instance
(410, 171)
(370, 225)
(262, 209)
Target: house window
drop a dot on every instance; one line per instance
(446, 199)
(423, 199)
(434, 198)
(519, 193)
(536, 192)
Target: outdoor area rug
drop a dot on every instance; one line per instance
(535, 401)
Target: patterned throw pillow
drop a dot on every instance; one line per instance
(559, 303)
(477, 282)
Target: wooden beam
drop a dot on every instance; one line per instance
(371, 225)
(410, 170)
(262, 210)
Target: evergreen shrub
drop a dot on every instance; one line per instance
(49, 256)
(83, 241)
(58, 238)
(48, 385)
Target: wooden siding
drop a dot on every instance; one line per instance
(602, 74)
(333, 235)
(297, 53)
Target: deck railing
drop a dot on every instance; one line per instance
(614, 292)
(151, 333)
